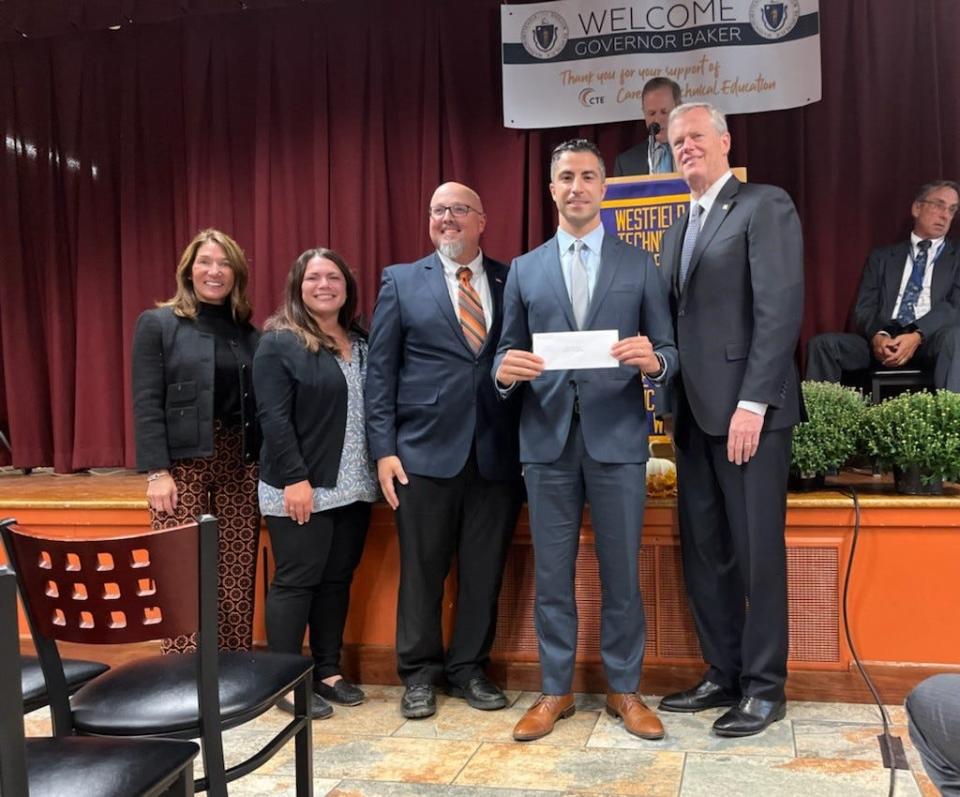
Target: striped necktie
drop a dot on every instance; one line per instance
(470, 310)
(689, 242)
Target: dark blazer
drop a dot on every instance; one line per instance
(629, 297)
(302, 408)
(633, 161)
(173, 376)
(429, 397)
(880, 287)
(738, 316)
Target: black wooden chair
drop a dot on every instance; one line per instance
(72, 766)
(906, 378)
(154, 585)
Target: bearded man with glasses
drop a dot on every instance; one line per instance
(908, 304)
(446, 450)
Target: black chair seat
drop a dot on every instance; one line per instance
(158, 695)
(104, 767)
(76, 671)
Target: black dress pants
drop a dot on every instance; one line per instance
(473, 518)
(311, 584)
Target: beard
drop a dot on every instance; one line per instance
(451, 249)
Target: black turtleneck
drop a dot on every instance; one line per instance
(229, 356)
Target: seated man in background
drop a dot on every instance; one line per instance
(660, 95)
(908, 304)
(933, 719)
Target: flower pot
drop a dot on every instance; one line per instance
(805, 482)
(909, 481)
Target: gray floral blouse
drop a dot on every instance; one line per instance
(356, 478)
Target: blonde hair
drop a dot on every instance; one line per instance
(184, 302)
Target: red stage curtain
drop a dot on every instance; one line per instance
(330, 124)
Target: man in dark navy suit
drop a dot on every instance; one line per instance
(908, 304)
(446, 450)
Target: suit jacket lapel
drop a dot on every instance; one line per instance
(943, 271)
(437, 284)
(610, 254)
(496, 276)
(892, 275)
(722, 205)
(550, 260)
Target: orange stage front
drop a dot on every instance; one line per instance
(903, 598)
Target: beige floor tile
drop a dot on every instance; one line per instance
(255, 785)
(614, 772)
(386, 758)
(708, 775)
(369, 788)
(838, 740)
(692, 732)
(462, 722)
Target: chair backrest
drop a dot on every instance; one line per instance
(113, 590)
(13, 763)
(154, 584)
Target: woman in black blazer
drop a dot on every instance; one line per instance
(316, 477)
(195, 418)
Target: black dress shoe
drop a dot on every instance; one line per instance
(419, 701)
(319, 709)
(481, 693)
(750, 716)
(342, 692)
(704, 695)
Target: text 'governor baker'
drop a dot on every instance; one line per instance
(583, 433)
(446, 450)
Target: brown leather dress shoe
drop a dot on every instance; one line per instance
(542, 716)
(637, 718)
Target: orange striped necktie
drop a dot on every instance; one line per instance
(470, 310)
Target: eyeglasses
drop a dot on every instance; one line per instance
(939, 205)
(439, 211)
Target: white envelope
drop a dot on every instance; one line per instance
(563, 351)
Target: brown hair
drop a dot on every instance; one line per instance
(185, 301)
(293, 314)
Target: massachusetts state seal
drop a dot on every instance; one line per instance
(544, 34)
(774, 19)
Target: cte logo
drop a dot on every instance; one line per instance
(590, 97)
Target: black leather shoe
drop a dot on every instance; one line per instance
(419, 701)
(481, 693)
(342, 692)
(704, 695)
(319, 709)
(750, 716)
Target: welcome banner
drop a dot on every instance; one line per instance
(575, 62)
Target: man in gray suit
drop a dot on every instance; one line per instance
(734, 265)
(659, 97)
(908, 304)
(583, 433)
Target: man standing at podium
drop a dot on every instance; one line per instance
(908, 304)
(660, 95)
(734, 266)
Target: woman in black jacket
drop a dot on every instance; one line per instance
(195, 418)
(316, 478)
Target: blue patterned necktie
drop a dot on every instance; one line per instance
(908, 304)
(661, 161)
(689, 241)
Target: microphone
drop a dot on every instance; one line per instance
(654, 129)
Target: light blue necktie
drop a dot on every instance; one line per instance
(689, 241)
(579, 286)
(908, 304)
(662, 162)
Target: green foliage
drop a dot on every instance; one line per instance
(917, 429)
(831, 435)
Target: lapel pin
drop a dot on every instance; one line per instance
(724, 206)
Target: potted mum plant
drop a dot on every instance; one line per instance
(918, 435)
(829, 436)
